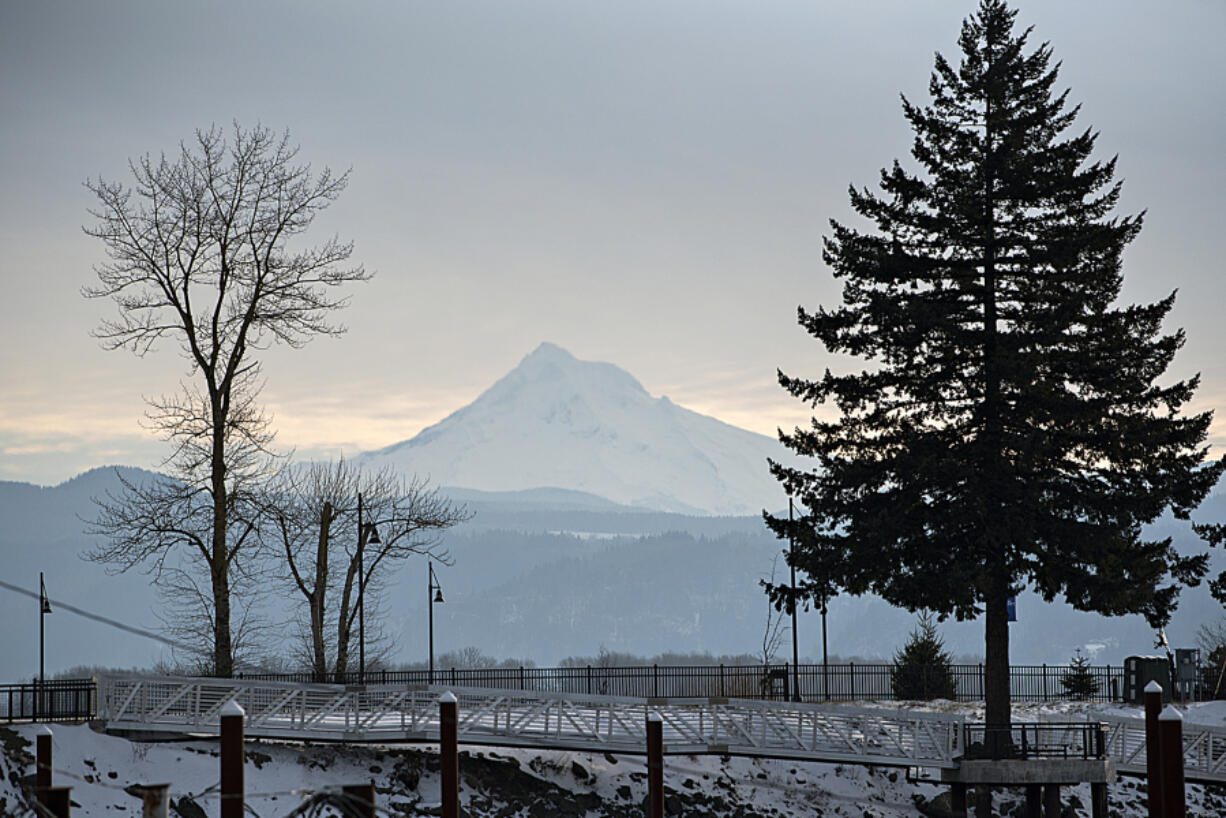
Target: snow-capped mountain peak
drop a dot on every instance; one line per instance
(556, 421)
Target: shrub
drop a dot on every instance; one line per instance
(922, 668)
(1078, 681)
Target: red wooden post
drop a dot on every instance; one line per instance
(155, 801)
(449, 756)
(1170, 742)
(232, 759)
(58, 802)
(1153, 755)
(42, 757)
(655, 765)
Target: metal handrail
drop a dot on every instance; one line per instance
(397, 713)
(1027, 740)
(52, 700)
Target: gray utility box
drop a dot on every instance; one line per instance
(1140, 671)
(1186, 660)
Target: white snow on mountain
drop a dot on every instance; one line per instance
(555, 421)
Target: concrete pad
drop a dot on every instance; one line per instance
(1011, 772)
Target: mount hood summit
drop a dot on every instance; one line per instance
(555, 421)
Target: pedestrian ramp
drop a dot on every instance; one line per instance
(395, 714)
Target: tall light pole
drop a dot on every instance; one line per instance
(795, 649)
(434, 593)
(825, 657)
(44, 608)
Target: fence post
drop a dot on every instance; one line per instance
(359, 800)
(655, 765)
(721, 679)
(1045, 681)
(1170, 744)
(852, 667)
(589, 680)
(58, 802)
(521, 677)
(1153, 752)
(155, 800)
(449, 757)
(232, 760)
(655, 681)
(42, 757)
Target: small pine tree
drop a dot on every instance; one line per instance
(1078, 681)
(922, 669)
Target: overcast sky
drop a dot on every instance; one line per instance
(640, 183)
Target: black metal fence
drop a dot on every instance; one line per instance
(58, 700)
(76, 699)
(1024, 740)
(836, 682)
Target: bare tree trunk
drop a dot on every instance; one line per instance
(996, 659)
(319, 596)
(223, 649)
(344, 623)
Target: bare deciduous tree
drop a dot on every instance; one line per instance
(776, 624)
(201, 250)
(310, 517)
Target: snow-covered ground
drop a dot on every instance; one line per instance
(506, 782)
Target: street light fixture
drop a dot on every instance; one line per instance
(434, 593)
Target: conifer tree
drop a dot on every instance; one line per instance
(1078, 681)
(922, 669)
(1008, 429)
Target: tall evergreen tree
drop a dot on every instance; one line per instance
(1009, 429)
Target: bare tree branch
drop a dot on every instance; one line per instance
(203, 248)
(309, 514)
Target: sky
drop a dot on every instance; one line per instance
(644, 183)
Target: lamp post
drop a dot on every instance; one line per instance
(434, 593)
(795, 649)
(366, 534)
(44, 608)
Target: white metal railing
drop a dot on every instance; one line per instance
(1204, 747)
(395, 713)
